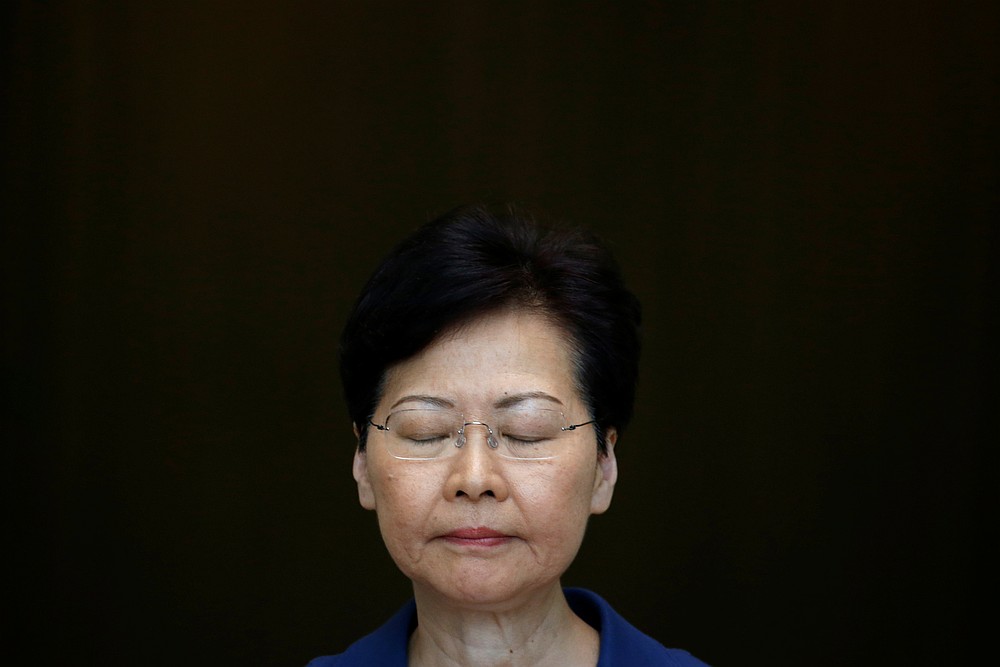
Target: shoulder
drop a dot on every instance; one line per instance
(386, 646)
(621, 642)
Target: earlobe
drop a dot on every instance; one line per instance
(366, 495)
(605, 476)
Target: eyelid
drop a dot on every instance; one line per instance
(524, 440)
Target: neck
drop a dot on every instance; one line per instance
(539, 630)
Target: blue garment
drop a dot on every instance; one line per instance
(622, 645)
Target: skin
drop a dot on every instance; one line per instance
(490, 602)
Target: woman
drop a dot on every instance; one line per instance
(489, 368)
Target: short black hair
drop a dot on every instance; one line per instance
(477, 260)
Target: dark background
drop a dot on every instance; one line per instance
(803, 197)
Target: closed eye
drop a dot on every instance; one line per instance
(524, 439)
(427, 438)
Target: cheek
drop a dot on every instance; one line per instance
(403, 503)
(556, 502)
(396, 486)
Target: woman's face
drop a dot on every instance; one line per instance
(476, 528)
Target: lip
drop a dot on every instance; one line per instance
(478, 536)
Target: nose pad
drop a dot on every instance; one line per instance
(491, 439)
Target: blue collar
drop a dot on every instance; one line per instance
(621, 643)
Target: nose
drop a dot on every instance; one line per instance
(476, 472)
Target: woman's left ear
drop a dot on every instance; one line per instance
(605, 475)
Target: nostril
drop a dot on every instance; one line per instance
(464, 494)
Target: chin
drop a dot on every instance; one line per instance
(474, 588)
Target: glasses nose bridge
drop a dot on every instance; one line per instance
(491, 439)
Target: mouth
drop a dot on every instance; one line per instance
(479, 536)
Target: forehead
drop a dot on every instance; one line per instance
(494, 355)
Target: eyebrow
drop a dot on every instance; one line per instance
(505, 402)
(514, 399)
(424, 398)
